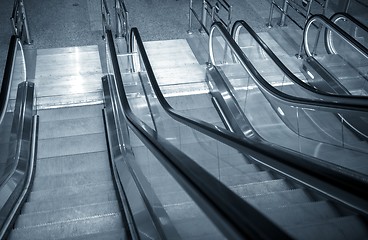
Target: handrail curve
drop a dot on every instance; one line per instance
(335, 18)
(323, 98)
(332, 28)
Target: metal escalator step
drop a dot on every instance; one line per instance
(266, 187)
(303, 213)
(69, 164)
(56, 147)
(110, 235)
(70, 127)
(64, 180)
(68, 202)
(278, 199)
(65, 215)
(251, 177)
(71, 191)
(70, 113)
(73, 228)
(344, 228)
(191, 101)
(197, 228)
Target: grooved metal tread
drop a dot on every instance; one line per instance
(72, 228)
(72, 191)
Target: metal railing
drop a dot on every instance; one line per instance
(332, 28)
(271, 91)
(19, 22)
(211, 10)
(122, 20)
(106, 17)
(356, 101)
(303, 9)
(337, 17)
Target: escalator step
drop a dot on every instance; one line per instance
(276, 199)
(57, 147)
(303, 213)
(73, 228)
(68, 214)
(74, 190)
(110, 235)
(70, 127)
(258, 188)
(344, 228)
(68, 202)
(70, 164)
(70, 113)
(64, 180)
(251, 177)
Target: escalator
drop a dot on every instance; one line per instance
(340, 66)
(72, 193)
(242, 165)
(161, 174)
(337, 136)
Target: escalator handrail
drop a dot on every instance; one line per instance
(359, 102)
(20, 180)
(227, 210)
(334, 28)
(356, 103)
(350, 180)
(7, 77)
(335, 18)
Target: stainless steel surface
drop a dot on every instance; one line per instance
(20, 164)
(72, 195)
(224, 163)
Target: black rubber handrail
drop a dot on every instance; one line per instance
(7, 77)
(351, 181)
(343, 101)
(235, 218)
(335, 18)
(334, 28)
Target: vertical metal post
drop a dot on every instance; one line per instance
(283, 13)
(25, 23)
(347, 5)
(119, 32)
(299, 54)
(190, 17)
(204, 15)
(269, 24)
(325, 7)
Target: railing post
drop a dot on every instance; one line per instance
(119, 32)
(25, 23)
(190, 17)
(269, 24)
(299, 54)
(283, 13)
(204, 16)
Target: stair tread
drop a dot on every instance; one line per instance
(87, 143)
(70, 164)
(68, 202)
(72, 179)
(70, 127)
(68, 214)
(111, 235)
(303, 213)
(71, 191)
(70, 113)
(73, 228)
(349, 227)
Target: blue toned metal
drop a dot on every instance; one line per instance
(21, 165)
